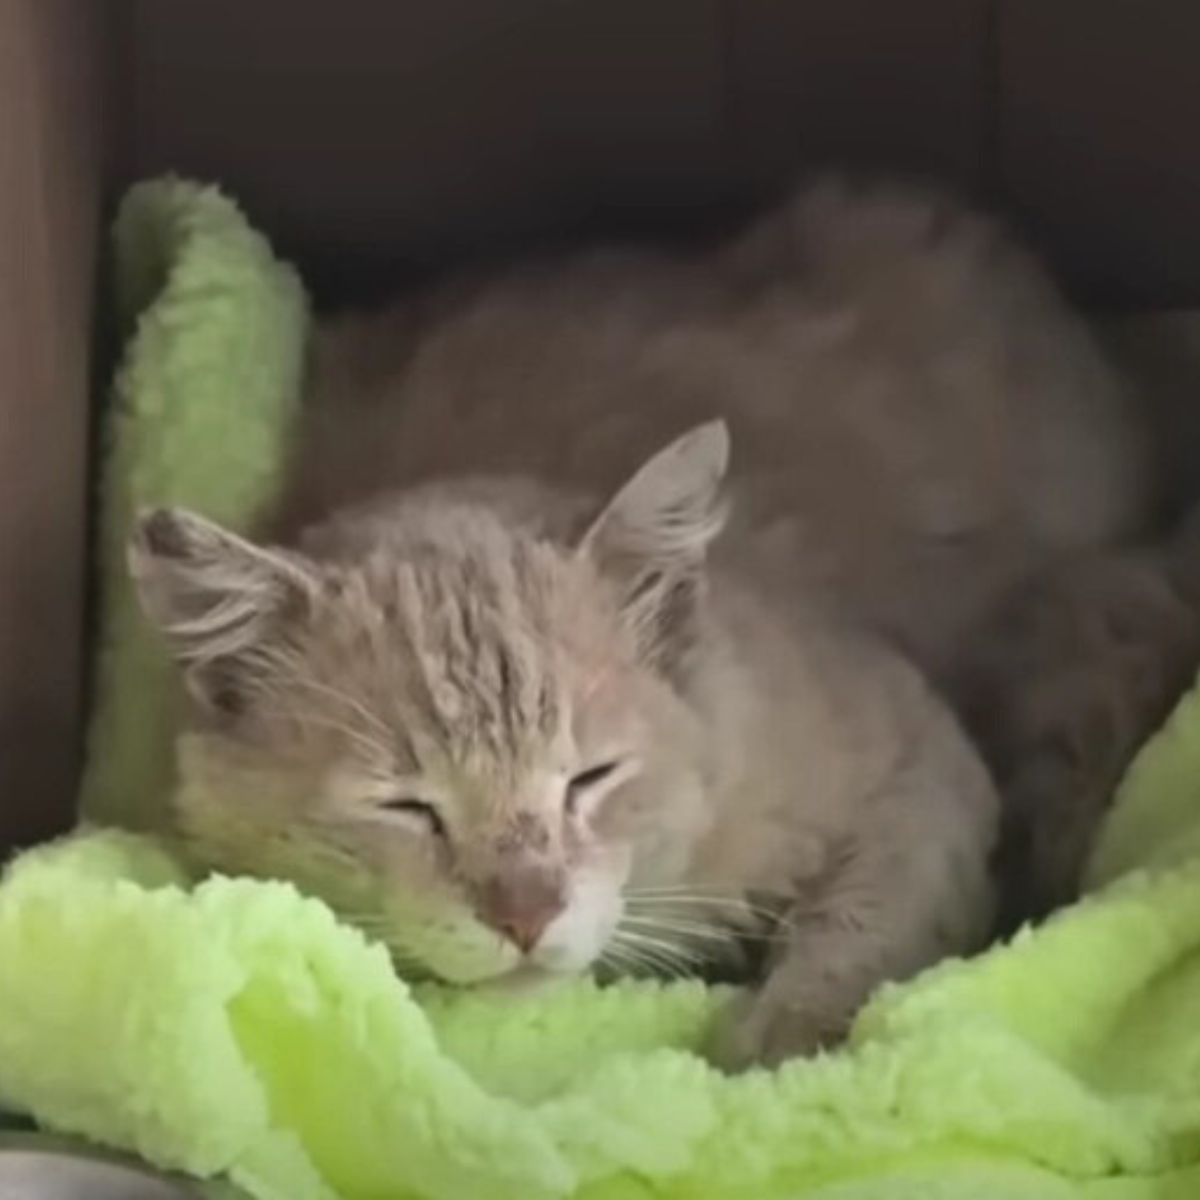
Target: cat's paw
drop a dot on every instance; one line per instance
(767, 1027)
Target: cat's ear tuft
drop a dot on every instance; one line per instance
(214, 595)
(653, 536)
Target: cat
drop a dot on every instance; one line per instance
(518, 682)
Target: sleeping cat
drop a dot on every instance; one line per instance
(518, 681)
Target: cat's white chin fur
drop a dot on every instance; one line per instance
(576, 938)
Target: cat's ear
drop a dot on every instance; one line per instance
(653, 536)
(214, 595)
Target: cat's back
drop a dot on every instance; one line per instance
(907, 395)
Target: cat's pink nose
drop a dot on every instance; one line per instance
(521, 907)
(526, 933)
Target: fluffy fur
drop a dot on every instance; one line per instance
(517, 732)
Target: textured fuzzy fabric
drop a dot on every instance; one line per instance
(199, 416)
(234, 1027)
(237, 1028)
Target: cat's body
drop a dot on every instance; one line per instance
(917, 418)
(505, 726)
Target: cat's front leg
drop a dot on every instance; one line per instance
(912, 887)
(811, 995)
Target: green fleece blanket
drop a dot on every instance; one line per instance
(235, 1028)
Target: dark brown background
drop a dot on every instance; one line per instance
(377, 137)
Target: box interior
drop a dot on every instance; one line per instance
(377, 141)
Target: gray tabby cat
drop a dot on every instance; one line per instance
(522, 707)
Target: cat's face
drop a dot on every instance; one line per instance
(465, 740)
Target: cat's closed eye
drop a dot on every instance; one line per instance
(417, 810)
(585, 781)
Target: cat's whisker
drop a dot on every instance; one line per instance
(735, 912)
(702, 925)
(733, 898)
(644, 964)
(620, 958)
(727, 939)
(668, 954)
(700, 896)
(647, 953)
(651, 925)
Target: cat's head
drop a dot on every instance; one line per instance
(465, 738)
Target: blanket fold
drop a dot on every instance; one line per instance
(199, 416)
